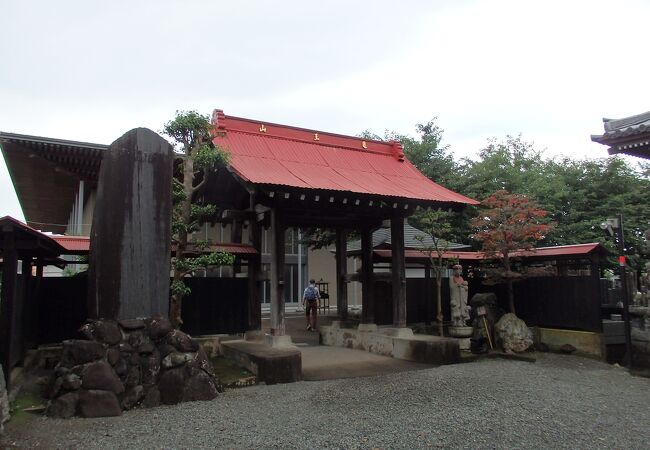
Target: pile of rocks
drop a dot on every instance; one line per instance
(128, 363)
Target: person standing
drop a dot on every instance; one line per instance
(311, 302)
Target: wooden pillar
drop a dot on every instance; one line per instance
(277, 274)
(398, 271)
(367, 278)
(236, 238)
(29, 311)
(254, 270)
(341, 271)
(427, 293)
(8, 302)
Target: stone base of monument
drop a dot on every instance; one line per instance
(279, 363)
(400, 343)
(462, 335)
(128, 363)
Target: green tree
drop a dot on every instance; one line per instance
(198, 157)
(438, 229)
(424, 151)
(506, 224)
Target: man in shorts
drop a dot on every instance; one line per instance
(311, 302)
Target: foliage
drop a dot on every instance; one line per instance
(198, 157)
(424, 151)
(509, 223)
(579, 194)
(438, 228)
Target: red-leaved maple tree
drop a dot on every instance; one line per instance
(508, 224)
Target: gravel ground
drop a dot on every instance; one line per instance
(558, 402)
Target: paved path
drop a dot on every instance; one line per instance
(321, 362)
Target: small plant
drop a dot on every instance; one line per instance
(198, 158)
(437, 227)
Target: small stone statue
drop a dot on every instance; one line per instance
(458, 290)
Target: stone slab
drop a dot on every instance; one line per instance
(365, 327)
(584, 341)
(283, 341)
(399, 344)
(271, 365)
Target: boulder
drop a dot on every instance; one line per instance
(165, 349)
(113, 356)
(107, 331)
(172, 385)
(181, 342)
(121, 367)
(513, 334)
(201, 362)
(199, 387)
(176, 359)
(77, 351)
(138, 338)
(63, 407)
(146, 347)
(487, 299)
(151, 398)
(100, 376)
(96, 403)
(133, 377)
(150, 365)
(568, 349)
(70, 382)
(132, 397)
(158, 327)
(131, 324)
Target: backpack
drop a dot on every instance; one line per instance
(310, 293)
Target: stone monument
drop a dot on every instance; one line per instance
(130, 241)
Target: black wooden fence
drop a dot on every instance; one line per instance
(216, 305)
(554, 302)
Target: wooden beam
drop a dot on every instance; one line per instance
(235, 214)
(341, 269)
(398, 271)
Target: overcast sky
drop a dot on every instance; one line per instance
(551, 70)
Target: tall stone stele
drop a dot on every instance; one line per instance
(131, 230)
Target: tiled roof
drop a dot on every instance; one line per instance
(263, 153)
(630, 135)
(382, 238)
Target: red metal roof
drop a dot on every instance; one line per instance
(81, 244)
(74, 244)
(541, 252)
(40, 239)
(266, 153)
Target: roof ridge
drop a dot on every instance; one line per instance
(306, 141)
(618, 124)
